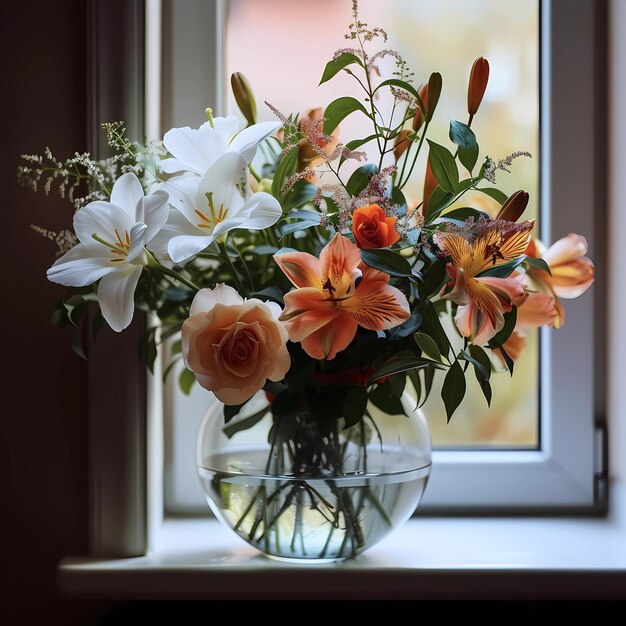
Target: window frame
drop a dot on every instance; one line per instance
(568, 474)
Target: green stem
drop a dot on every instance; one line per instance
(240, 287)
(419, 148)
(168, 272)
(254, 173)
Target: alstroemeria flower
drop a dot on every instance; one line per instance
(572, 271)
(195, 150)
(206, 208)
(334, 295)
(483, 300)
(112, 236)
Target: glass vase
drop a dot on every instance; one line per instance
(300, 489)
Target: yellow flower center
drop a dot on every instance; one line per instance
(216, 216)
(119, 249)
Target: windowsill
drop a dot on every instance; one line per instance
(430, 558)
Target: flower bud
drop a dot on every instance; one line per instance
(244, 97)
(430, 184)
(401, 144)
(418, 118)
(479, 76)
(514, 206)
(434, 91)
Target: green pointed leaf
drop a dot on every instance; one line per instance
(443, 166)
(387, 261)
(462, 135)
(538, 264)
(357, 143)
(336, 65)
(462, 213)
(360, 178)
(401, 363)
(354, 405)
(439, 200)
(510, 320)
(285, 168)
(384, 398)
(338, 110)
(453, 389)
(246, 422)
(428, 346)
(468, 157)
(407, 328)
(186, 380)
(503, 270)
(499, 196)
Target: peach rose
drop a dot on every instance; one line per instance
(234, 345)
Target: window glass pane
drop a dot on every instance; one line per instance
(282, 47)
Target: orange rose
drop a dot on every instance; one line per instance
(372, 228)
(234, 345)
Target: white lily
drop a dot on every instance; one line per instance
(206, 208)
(194, 150)
(112, 236)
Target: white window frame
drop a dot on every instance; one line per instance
(568, 472)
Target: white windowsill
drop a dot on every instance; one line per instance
(431, 558)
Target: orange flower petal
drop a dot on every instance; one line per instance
(538, 310)
(339, 262)
(301, 268)
(306, 310)
(332, 338)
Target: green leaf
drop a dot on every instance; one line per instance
(538, 264)
(407, 328)
(503, 270)
(431, 325)
(468, 157)
(338, 110)
(336, 65)
(231, 410)
(433, 279)
(186, 381)
(494, 193)
(462, 135)
(481, 357)
(401, 84)
(292, 227)
(443, 166)
(386, 400)
(484, 372)
(285, 168)
(269, 293)
(462, 213)
(246, 422)
(306, 215)
(401, 363)
(387, 261)
(360, 178)
(439, 200)
(301, 193)
(428, 346)
(453, 389)
(510, 320)
(397, 197)
(354, 405)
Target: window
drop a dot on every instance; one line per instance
(548, 453)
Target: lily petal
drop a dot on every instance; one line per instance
(306, 311)
(339, 263)
(193, 150)
(376, 305)
(126, 194)
(331, 338)
(221, 181)
(482, 318)
(177, 224)
(301, 268)
(154, 210)
(261, 210)
(247, 141)
(137, 241)
(79, 267)
(185, 246)
(116, 295)
(101, 218)
(566, 249)
(538, 310)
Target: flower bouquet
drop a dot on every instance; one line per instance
(306, 291)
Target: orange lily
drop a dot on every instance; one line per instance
(483, 300)
(572, 271)
(334, 295)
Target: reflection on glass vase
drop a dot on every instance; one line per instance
(300, 489)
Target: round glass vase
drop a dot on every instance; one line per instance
(302, 491)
